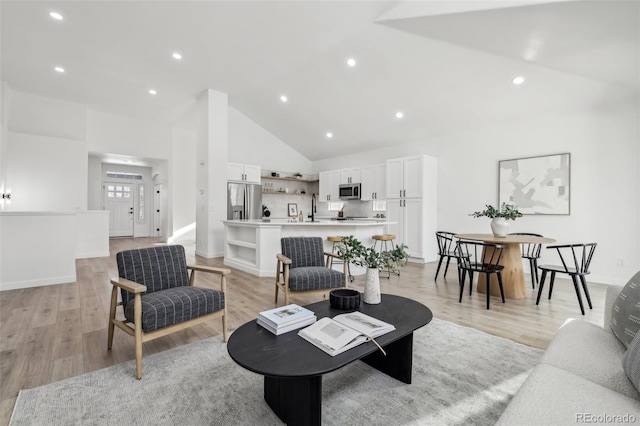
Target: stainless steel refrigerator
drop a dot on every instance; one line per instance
(244, 201)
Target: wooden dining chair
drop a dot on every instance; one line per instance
(480, 257)
(446, 248)
(531, 251)
(575, 259)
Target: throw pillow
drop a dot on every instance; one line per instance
(631, 362)
(625, 316)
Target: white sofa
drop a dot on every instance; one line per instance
(580, 379)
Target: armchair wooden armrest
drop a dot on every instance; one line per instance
(130, 286)
(203, 268)
(334, 255)
(220, 271)
(284, 259)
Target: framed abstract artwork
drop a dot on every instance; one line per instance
(537, 185)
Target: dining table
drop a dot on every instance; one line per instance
(513, 273)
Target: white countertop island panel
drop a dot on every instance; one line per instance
(252, 245)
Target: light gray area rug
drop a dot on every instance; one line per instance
(461, 376)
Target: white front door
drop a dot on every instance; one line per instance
(118, 199)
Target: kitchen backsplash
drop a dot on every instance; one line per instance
(278, 205)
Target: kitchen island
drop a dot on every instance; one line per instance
(252, 245)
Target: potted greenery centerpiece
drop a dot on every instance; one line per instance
(353, 251)
(500, 218)
(297, 175)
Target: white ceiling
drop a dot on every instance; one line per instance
(446, 64)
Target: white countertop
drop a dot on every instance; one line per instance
(321, 222)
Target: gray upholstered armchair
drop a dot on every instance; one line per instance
(302, 268)
(158, 296)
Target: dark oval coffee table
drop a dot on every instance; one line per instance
(293, 368)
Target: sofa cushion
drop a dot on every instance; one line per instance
(589, 351)
(167, 307)
(631, 361)
(552, 396)
(625, 316)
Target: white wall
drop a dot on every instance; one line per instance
(183, 170)
(45, 163)
(45, 173)
(38, 115)
(94, 183)
(119, 134)
(251, 144)
(605, 169)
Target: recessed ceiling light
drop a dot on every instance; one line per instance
(56, 16)
(399, 114)
(283, 98)
(518, 80)
(59, 69)
(329, 135)
(153, 91)
(351, 62)
(176, 55)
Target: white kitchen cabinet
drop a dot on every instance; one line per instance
(329, 186)
(412, 203)
(405, 176)
(246, 173)
(351, 175)
(373, 181)
(408, 215)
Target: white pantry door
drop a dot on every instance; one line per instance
(118, 199)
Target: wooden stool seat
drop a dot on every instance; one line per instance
(384, 237)
(334, 239)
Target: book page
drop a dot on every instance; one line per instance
(330, 334)
(365, 324)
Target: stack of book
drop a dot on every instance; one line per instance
(286, 318)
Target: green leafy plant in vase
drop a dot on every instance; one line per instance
(351, 250)
(499, 217)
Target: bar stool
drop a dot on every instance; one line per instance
(334, 240)
(385, 240)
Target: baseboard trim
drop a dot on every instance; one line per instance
(17, 285)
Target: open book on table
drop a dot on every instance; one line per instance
(343, 332)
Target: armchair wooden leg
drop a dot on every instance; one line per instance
(112, 316)
(137, 321)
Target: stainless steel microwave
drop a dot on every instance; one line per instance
(350, 191)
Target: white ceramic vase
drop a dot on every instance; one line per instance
(500, 226)
(372, 287)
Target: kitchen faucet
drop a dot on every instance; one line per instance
(313, 207)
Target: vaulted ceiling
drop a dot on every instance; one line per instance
(447, 65)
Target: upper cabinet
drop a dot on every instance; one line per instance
(328, 187)
(405, 176)
(373, 179)
(350, 175)
(246, 173)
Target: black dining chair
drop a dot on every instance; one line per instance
(531, 251)
(575, 259)
(481, 257)
(446, 248)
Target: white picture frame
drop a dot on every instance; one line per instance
(536, 185)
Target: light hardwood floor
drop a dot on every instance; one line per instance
(55, 332)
